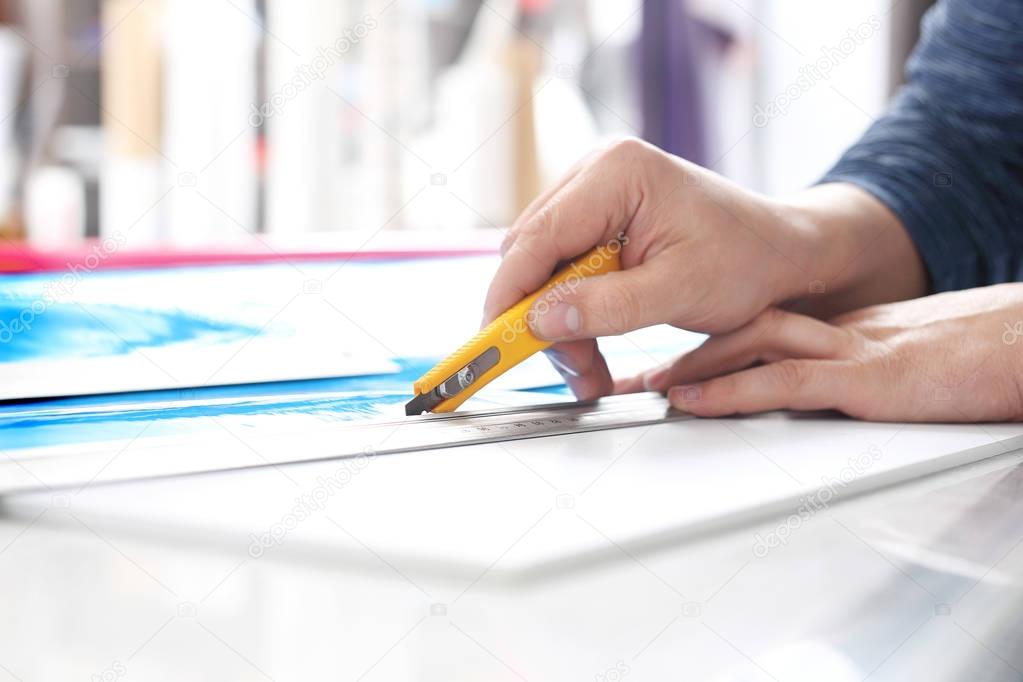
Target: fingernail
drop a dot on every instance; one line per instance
(680, 396)
(652, 380)
(559, 364)
(559, 321)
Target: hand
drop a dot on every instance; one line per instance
(699, 253)
(954, 357)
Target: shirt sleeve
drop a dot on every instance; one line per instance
(947, 158)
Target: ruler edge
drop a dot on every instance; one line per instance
(669, 415)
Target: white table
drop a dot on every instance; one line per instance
(648, 553)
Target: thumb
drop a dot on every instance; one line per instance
(605, 305)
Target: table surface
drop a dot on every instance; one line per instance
(168, 580)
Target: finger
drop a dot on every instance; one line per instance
(583, 368)
(605, 305)
(537, 203)
(789, 384)
(771, 336)
(590, 209)
(632, 384)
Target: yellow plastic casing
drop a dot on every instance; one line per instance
(511, 333)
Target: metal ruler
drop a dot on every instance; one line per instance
(54, 468)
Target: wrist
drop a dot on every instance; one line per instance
(850, 251)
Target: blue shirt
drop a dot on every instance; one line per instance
(947, 158)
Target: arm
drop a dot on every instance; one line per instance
(947, 159)
(707, 255)
(941, 175)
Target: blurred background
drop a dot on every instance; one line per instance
(199, 122)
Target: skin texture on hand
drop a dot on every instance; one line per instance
(952, 357)
(695, 255)
(699, 252)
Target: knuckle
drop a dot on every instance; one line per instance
(792, 375)
(627, 148)
(543, 225)
(769, 319)
(851, 345)
(774, 315)
(616, 309)
(763, 330)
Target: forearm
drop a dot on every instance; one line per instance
(947, 158)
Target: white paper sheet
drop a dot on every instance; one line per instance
(540, 503)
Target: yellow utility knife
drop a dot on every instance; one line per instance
(506, 341)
